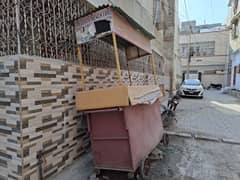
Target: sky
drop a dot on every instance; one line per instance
(204, 11)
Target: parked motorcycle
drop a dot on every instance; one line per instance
(168, 113)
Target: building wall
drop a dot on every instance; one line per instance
(236, 63)
(215, 61)
(39, 115)
(221, 39)
(177, 59)
(234, 40)
(10, 123)
(207, 79)
(142, 13)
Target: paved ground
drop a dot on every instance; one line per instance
(187, 158)
(80, 170)
(217, 115)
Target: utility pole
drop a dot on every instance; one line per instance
(190, 54)
(227, 63)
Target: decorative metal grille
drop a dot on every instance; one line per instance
(45, 28)
(8, 28)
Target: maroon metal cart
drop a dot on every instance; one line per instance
(124, 121)
(122, 137)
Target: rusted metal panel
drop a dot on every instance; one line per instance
(122, 139)
(86, 27)
(110, 143)
(145, 129)
(125, 30)
(105, 21)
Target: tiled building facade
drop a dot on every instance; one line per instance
(233, 23)
(40, 130)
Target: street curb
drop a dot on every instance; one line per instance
(206, 138)
(202, 137)
(230, 141)
(186, 135)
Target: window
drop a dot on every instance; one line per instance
(209, 72)
(199, 49)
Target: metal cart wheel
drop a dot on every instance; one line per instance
(165, 139)
(131, 175)
(97, 171)
(144, 169)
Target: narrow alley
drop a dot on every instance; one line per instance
(215, 115)
(215, 118)
(119, 90)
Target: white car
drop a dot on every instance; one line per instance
(191, 88)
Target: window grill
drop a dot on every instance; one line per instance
(40, 27)
(45, 28)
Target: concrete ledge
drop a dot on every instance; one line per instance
(202, 137)
(230, 141)
(180, 134)
(206, 138)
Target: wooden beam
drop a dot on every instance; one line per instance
(154, 68)
(117, 56)
(80, 59)
(129, 73)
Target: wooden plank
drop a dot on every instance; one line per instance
(80, 59)
(117, 56)
(143, 94)
(102, 98)
(154, 68)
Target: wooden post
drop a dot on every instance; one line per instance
(117, 56)
(129, 73)
(80, 59)
(154, 68)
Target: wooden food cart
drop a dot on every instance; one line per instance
(124, 121)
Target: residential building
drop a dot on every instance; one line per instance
(41, 131)
(233, 24)
(208, 45)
